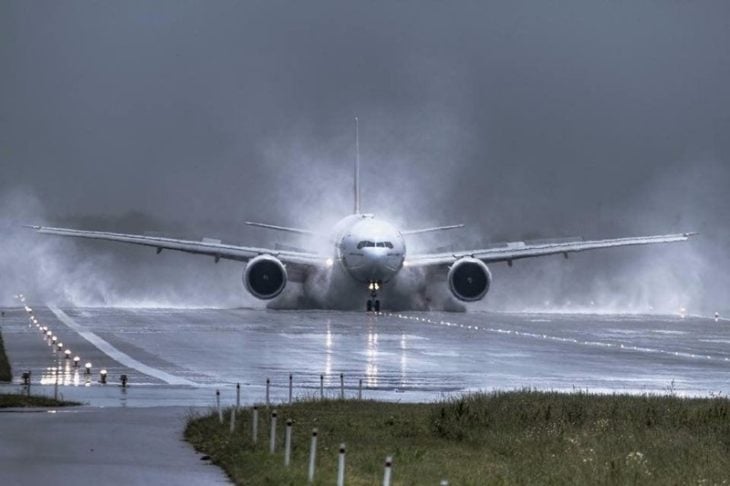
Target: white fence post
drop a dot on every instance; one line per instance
(312, 456)
(272, 439)
(388, 470)
(287, 443)
(341, 467)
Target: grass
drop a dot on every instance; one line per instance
(503, 438)
(5, 371)
(19, 400)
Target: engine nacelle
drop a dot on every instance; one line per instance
(469, 279)
(265, 277)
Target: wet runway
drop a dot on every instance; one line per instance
(180, 356)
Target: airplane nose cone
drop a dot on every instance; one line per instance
(377, 265)
(373, 255)
(372, 264)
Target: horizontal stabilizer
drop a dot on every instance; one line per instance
(431, 230)
(281, 228)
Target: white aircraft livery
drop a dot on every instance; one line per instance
(368, 267)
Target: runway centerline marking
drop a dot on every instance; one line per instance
(116, 354)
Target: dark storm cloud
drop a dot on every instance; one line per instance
(521, 119)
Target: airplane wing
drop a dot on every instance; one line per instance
(516, 250)
(213, 248)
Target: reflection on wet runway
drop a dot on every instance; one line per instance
(63, 375)
(398, 356)
(63, 369)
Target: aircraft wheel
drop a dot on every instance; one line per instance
(376, 307)
(370, 305)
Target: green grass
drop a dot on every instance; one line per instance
(504, 438)
(5, 372)
(20, 400)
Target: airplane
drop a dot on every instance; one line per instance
(368, 262)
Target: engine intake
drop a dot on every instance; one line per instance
(469, 279)
(265, 277)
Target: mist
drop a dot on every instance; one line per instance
(522, 120)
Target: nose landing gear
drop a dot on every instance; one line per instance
(373, 303)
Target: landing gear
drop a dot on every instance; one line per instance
(373, 303)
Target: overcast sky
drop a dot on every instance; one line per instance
(521, 119)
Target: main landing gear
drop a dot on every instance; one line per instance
(373, 302)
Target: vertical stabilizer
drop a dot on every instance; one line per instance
(356, 187)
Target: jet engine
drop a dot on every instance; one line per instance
(265, 277)
(469, 279)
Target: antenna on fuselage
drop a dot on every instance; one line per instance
(356, 187)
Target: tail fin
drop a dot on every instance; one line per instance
(356, 187)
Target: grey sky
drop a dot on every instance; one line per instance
(521, 119)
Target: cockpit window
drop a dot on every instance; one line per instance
(370, 244)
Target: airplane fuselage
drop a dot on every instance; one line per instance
(370, 250)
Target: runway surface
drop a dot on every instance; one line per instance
(181, 356)
(89, 445)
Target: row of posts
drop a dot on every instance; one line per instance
(288, 437)
(291, 391)
(268, 391)
(321, 388)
